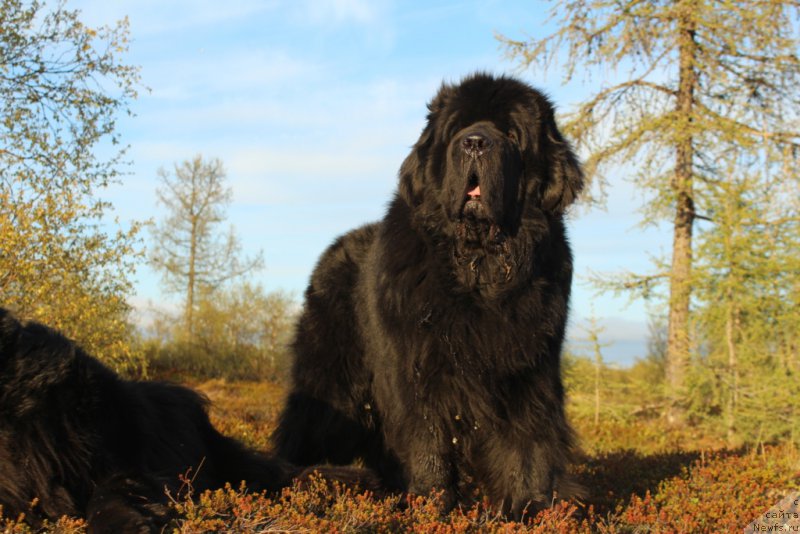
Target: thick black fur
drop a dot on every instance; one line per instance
(429, 344)
(85, 442)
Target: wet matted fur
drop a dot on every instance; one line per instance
(85, 442)
(429, 343)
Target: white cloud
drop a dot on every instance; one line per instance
(348, 131)
(153, 17)
(372, 19)
(226, 73)
(327, 12)
(301, 161)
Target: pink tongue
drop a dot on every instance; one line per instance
(475, 193)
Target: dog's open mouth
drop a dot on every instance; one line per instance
(476, 221)
(473, 198)
(473, 209)
(477, 227)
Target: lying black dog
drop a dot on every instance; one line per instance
(85, 442)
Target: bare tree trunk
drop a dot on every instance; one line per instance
(733, 369)
(193, 242)
(682, 185)
(189, 312)
(598, 364)
(594, 339)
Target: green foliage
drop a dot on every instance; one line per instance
(631, 399)
(746, 68)
(708, 93)
(748, 312)
(241, 332)
(62, 86)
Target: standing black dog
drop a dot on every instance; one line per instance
(429, 344)
(85, 442)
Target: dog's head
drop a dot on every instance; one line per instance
(489, 157)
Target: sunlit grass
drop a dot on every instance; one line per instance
(639, 476)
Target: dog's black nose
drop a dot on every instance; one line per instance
(476, 144)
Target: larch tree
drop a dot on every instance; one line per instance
(748, 313)
(62, 89)
(693, 81)
(190, 250)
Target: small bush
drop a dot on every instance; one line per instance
(239, 333)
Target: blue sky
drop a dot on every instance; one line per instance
(312, 106)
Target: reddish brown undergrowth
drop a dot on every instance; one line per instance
(645, 481)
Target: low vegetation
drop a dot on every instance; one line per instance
(242, 334)
(639, 477)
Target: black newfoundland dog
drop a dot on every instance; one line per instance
(85, 442)
(429, 343)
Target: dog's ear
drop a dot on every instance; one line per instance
(566, 176)
(412, 171)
